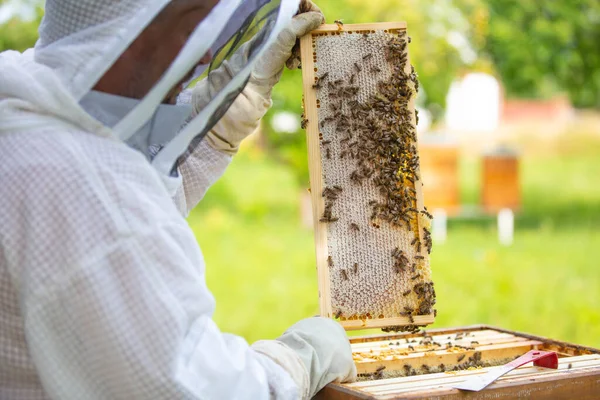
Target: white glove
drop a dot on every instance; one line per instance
(315, 351)
(244, 115)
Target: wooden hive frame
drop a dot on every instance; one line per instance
(578, 374)
(316, 175)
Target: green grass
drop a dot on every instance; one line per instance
(260, 260)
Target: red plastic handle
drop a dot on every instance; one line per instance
(546, 359)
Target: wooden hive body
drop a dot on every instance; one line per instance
(429, 371)
(371, 230)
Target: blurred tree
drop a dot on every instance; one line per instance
(17, 34)
(543, 47)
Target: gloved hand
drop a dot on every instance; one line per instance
(319, 346)
(244, 115)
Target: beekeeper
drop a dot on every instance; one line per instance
(102, 284)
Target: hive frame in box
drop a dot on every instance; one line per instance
(577, 377)
(316, 177)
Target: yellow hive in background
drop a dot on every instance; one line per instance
(371, 229)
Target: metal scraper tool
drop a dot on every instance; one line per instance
(547, 359)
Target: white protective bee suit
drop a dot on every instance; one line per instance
(102, 286)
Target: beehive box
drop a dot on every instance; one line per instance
(371, 228)
(427, 365)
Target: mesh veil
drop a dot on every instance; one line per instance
(240, 36)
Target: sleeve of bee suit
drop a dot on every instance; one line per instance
(111, 282)
(202, 167)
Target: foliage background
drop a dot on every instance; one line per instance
(260, 258)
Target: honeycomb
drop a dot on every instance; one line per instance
(378, 239)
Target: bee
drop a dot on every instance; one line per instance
(330, 261)
(406, 293)
(411, 348)
(352, 79)
(414, 241)
(328, 154)
(365, 58)
(317, 85)
(326, 142)
(375, 69)
(379, 373)
(365, 35)
(425, 368)
(460, 358)
(569, 366)
(419, 257)
(358, 68)
(354, 227)
(409, 39)
(339, 23)
(338, 314)
(324, 76)
(412, 278)
(474, 342)
(355, 268)
(344, 274)
(304, 123)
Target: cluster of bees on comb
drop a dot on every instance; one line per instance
(453, 354)
(376, 136)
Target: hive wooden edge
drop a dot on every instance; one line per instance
(561, 347)
(574, 385)
(387, 322)
(315, 174)
(327, 28)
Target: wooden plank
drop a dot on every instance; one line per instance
(391, 26)
(449, 358)
(584, 386)
(558, 346)
(437, 331)
(316, 173)
(385, 322)
(483, 337)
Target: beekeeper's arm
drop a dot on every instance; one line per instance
(209, 159)
(115, 303)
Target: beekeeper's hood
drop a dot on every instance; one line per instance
(81, 39)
